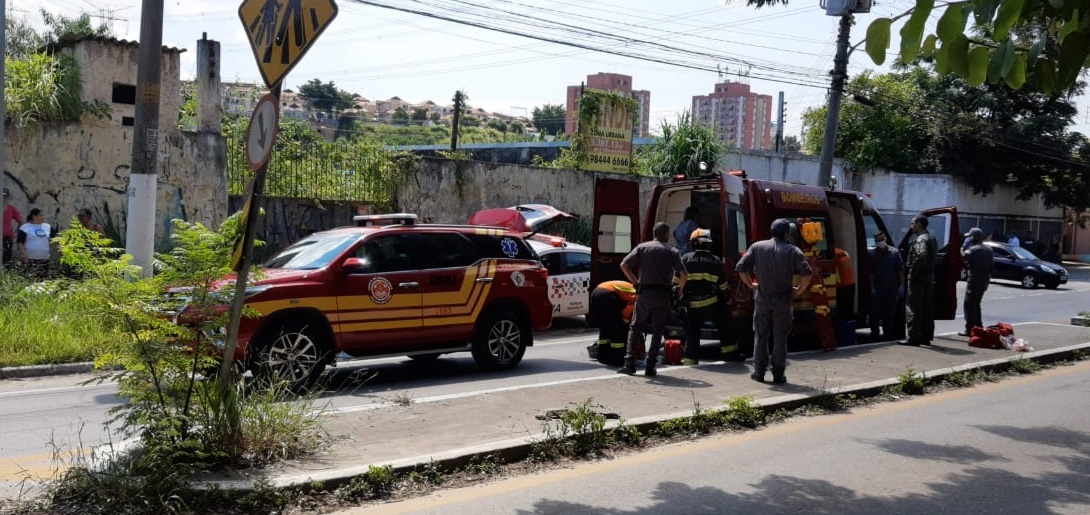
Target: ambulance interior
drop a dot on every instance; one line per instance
(839, 227)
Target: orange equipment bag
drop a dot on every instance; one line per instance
(672, 352)
(985, 338)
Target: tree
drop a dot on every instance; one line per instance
(549, 118)
(791, 144)
(420, 114)
(20, 38)
(60, 27)
(916, 120)
(990, 48)
(497, 124)
(400, 117)
(325, 97)
(683, 148)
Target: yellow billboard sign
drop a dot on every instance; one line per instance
(281, 31)
(609, 141)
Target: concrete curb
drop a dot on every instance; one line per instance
(517, 449)
(46, 370)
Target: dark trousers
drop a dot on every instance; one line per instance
(974, 293)
(771, 322)
(694, 320)
(883, 305)
(612, 329)
(649, 316)
(920, 309)
(9, 243)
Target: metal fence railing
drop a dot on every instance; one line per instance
(328, 171)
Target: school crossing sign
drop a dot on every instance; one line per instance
(281, 31)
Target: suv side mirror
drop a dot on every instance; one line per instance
(354, 265)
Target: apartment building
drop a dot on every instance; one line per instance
(611, 82)
(742, 118)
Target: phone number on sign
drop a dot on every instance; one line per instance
(610, 160)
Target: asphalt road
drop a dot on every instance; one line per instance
(40, 415)
(1019, 446)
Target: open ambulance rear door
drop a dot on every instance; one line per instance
(942, 223)
(615, 229)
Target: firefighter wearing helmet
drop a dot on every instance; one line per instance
(705, 299)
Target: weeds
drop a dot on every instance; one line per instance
(576, 431)
(911, 382)
(1024, 366)
(742, 412)
(376, 483)
(483, 465)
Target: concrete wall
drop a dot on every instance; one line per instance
(900, 196)
(60, 168)
(450, 191)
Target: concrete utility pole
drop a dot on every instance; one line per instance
(832, 115)
(3, 113)
(140, 219)
(459, 105)
(778, 146)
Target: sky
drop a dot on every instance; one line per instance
(675, 49)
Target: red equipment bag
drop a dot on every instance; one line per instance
(672, 353)
(986, 338)
(1004, 329)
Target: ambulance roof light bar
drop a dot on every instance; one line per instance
(387, 219)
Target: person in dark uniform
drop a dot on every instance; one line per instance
(651, 266)
(705, 297)
(920, 300)
(979, 264)
(612, 303)
(885, 282)
(773, 262)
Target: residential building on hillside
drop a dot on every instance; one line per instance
(239, 98)
(742, 119)
(611, 82)
(108, 72)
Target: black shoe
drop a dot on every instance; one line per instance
(650, 372)
(963, 333)
(760, 378)
(779, 379)
(908, 343)
(627, 370)
(926, 342)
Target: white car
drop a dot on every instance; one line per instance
(568, 263)
(569, 274)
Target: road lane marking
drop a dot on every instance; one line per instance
(796, 425)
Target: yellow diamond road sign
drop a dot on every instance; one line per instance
(281, 31)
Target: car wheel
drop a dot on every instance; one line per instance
(1029, 281)
(500, 341)
(293, 356)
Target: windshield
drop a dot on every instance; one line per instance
(313, 252)
(1023, 253)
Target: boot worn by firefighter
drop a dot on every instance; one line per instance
(778, 377)
(731, 353)
(629, 367)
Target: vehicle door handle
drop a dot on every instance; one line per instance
(409, 285)
(485, 279)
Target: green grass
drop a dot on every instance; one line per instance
(41, 328)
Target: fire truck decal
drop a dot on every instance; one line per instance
(381, 290)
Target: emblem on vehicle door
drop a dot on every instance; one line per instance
(510, 248)
(518, 278)
(381, 290)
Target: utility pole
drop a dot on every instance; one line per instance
(832, 115)
(459, 105)
(140, 216)
(3, 115)
(779, 126)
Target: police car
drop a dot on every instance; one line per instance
(568, 263)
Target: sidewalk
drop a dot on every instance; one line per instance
(451, 429)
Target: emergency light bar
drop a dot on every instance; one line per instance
(387, 219)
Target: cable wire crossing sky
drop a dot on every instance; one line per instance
(510, 56)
